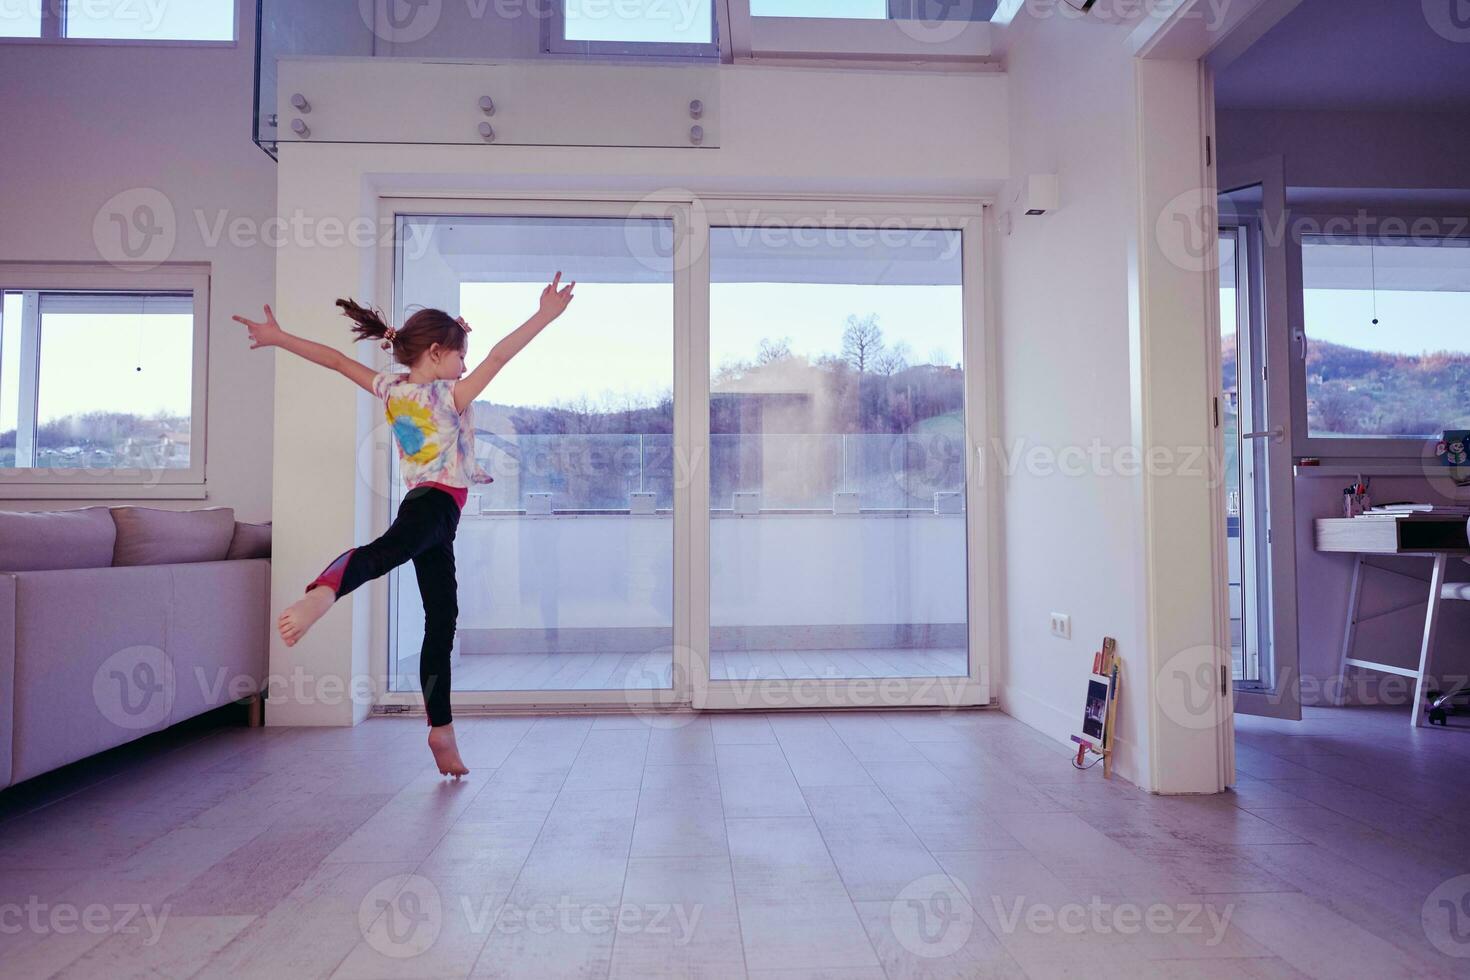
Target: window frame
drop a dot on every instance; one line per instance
(53, 31)
(554, 40)
(742, 36)
(797, 39)
(1347, 449)
(183, 482)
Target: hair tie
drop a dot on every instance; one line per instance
(388, 336)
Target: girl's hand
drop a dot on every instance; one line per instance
(267, 334)
(553, 300)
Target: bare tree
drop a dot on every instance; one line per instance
(773, 350)
(862, 342)
(891, 361)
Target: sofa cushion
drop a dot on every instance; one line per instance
(250, 541)
(50, 539)
(152, 536)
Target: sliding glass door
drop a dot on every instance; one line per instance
(565, 563)
(841, 556)
(740, 471)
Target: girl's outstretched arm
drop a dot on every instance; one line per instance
(553, 302)
(270, 334)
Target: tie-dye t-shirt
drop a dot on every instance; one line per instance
(436, 444)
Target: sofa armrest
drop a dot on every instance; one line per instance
(90, 668)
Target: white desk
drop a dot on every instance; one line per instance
(1435, 536)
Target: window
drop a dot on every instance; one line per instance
(101, 385)
(1387, 345)
(119, 20)
(644, 27)
(923, 30)
(864, 9)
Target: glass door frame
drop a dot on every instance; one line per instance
(969, 218)
(379, 444)
(691, 216)
(1277, 694)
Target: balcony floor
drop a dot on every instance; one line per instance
(646, 671)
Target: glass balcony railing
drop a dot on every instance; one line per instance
(394, 71)
(772, 473)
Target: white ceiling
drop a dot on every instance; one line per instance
(1406, 55)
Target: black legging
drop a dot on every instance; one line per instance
(424, 532)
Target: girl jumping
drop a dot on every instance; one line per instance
(429, 410)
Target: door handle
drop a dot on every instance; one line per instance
(1276, 434)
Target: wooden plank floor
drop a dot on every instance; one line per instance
(867, 845)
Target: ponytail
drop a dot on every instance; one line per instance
(408, 343)
(367, 324)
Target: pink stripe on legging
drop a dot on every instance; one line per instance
(332, 576)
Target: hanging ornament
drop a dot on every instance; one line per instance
(1373, 281)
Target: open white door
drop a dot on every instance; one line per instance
(1254, 400)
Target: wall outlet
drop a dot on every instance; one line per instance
(1061, 625)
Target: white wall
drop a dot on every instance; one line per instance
(1064, 365)
(1103, 345)
(786, 130)
(85, 122)
(1420, 150)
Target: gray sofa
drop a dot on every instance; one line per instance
(117, 622)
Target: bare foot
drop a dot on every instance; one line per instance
(301, 614)
(446, 752)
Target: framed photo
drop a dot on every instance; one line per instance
(1095, 712)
